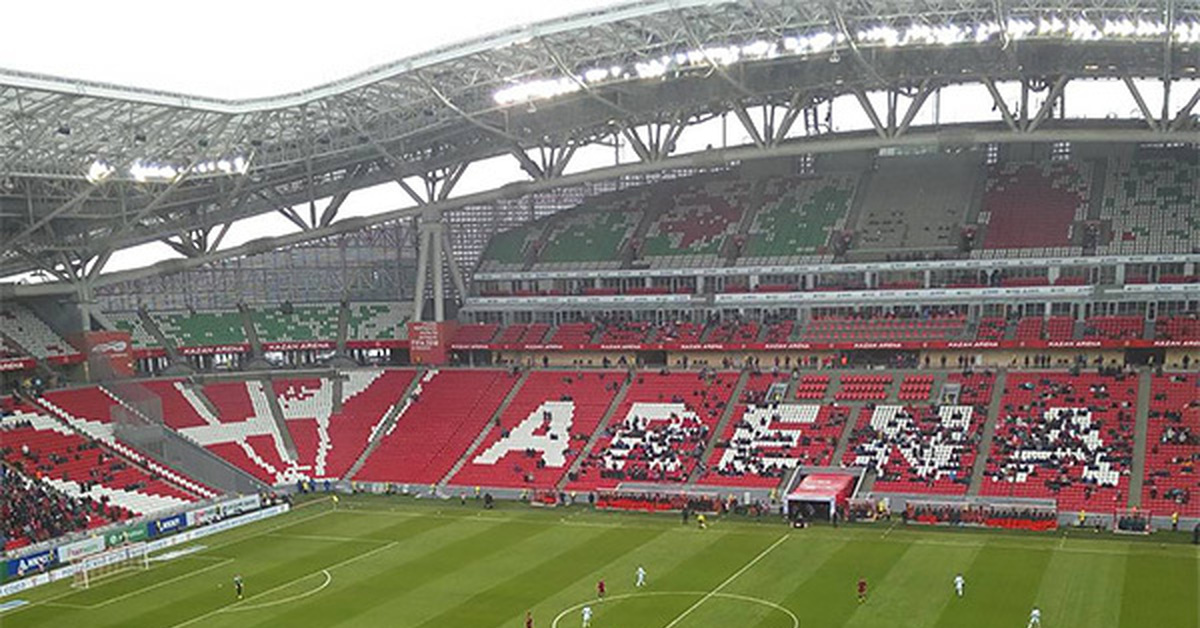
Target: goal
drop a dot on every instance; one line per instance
(1132, 521)
(105, 564)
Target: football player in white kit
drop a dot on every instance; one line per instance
(587, 616)
(641, 576)
(1035, 617)
(958, 584)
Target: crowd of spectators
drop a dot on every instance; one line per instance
(32, 511)
(1011, 517)
(917, 445)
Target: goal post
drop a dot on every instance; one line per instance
(105, 564)
(1132, 521)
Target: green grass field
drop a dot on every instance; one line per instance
(400, 563)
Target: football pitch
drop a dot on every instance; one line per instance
(380, 561)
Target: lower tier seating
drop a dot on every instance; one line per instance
(923, 449)
(541, 431)
(1173, 446)
(1064, 437)
(33, 511)
(659, 431)
(445, 413)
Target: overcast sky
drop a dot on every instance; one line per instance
(245, 48)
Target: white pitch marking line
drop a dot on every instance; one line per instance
(298, 596)
(161, 584)
(731, 596)
(728, 580)
(285, 584)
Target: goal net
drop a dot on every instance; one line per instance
(105, 564)
(1132, 521)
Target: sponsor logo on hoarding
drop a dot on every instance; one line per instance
(113, 346)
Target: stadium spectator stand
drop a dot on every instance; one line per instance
(796, 218)
(1177, 328)
(1064, 437)
(296, 323)
(32, 511)
(591, 236)
(1150, 205)
(130, 322)
(23, 327)
(812, 387)
(1029, 209)
(1114, 327)
(885, 328)
(917, 449)
(863, 388)
(693, 232)
(202, 329)
(1173, 445)
(377, 321)
(916, 204)
(441, 418)
(659, 431)
(480, 333)
(542, 430)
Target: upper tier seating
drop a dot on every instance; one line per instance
(659, 431)
(21, 325)
(1173, 446)
(506, 250)
(683, 333)
(1033, 207)
(305, 322)
(796, 218)
(924, 449)
(377, 321)
(33, 511)
(780, 332)
(841, 329)
(80, 467)
(592, 236)
(1029, 328)
(693, 232)
(916, 202)
(626, 332)
(1153, 206)
(542, 431)
(445, 413)
(1114, 327)
(1064, 437)
(1177, 328)
(1060, 328)
(201, 329)
(132, 323)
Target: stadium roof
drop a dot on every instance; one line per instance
(87, 168)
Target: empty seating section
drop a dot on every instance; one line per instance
(812, 387)
(590, 237)
(21, 325)
(130, 322)
(511, 334)
(991, 328)
(626, 332)
(447, 411)
(1152, 206)
(202, 329)
(694, 230)
(916, 203)
(1029, 328)
(541, 431)
(377, 321)
(733, 332)
(1177, 328)
(1064, 437)
(329, 441)
(1173, 445)
(573, 334)
(304, 322)
(1114, 327)
(80, 467)
(1033, 207)
(895, 329)
(178, 409)
(796, 218)
(1060, 328)
(658, 432)
(480, 333)
(764, 441)
(922, 449)
(506, 249)
(916, 388)
(863, 388)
